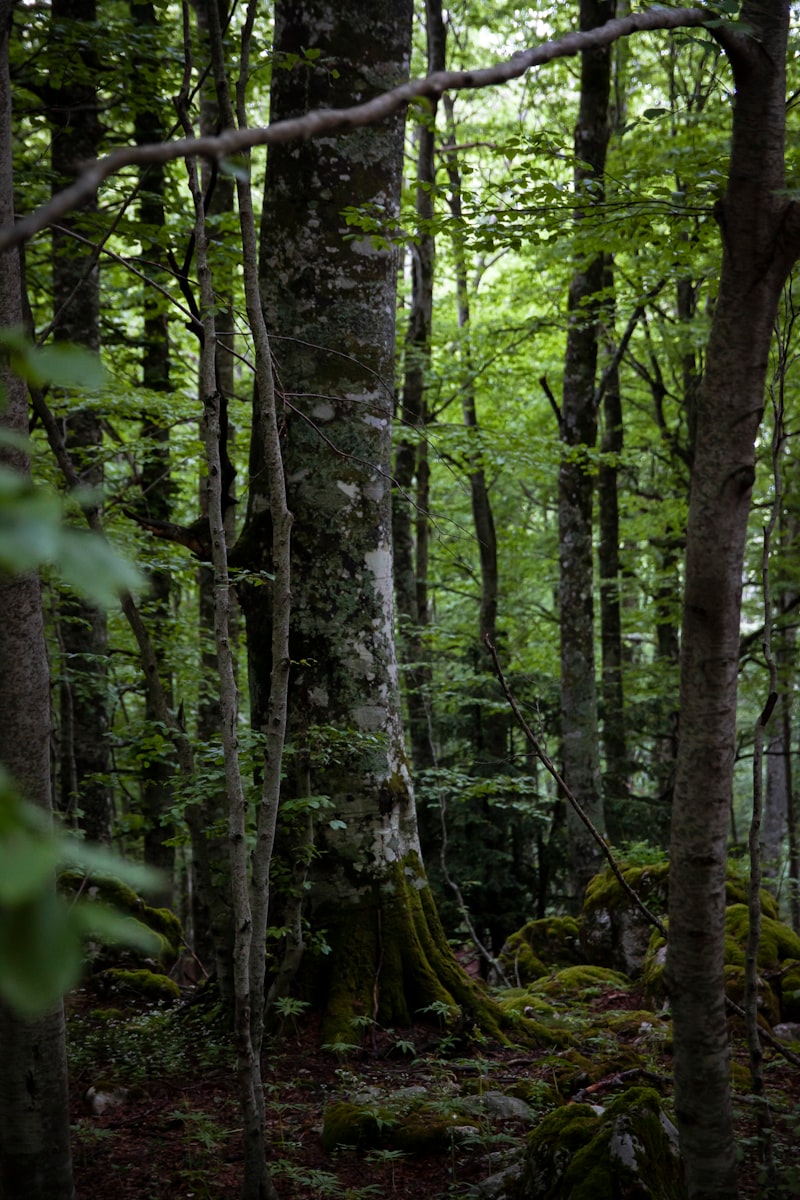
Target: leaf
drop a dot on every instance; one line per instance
(40, 953)
(105, 864)
(64, 366)
(27, 864)
(94, 568)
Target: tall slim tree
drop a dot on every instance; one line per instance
(35, 1162)
(72, 109)
(579, 724)
(760, 229)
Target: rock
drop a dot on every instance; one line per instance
(613, 930)
(497, 1104)
(538, 947)
(629, 1148)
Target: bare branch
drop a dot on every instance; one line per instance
(333, 120)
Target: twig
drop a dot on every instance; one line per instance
(331, 120)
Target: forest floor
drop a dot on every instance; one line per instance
(176, 1134)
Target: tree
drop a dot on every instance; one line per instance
(760, 230)
(35, 1162)
(329, 299)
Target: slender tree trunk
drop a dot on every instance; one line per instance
(159, 774)
(409, 534)
(35, 1161)
(72, 111)
(760, 229)
(330, 300)
(579, 724)
(616, 782)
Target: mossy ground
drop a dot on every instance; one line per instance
(179, 1129)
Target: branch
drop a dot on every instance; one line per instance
(332, 120)
(550, 766)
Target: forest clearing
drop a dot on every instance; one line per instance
(398, 594)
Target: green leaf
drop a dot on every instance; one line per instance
(40, 953)
(63, 366)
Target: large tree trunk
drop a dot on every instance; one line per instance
(35, 1159)
(579, 725)
(330, 302)
(760, 229)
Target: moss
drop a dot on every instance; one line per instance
(392, 937)
(737, 892)
(790, 992)
(574, 980)
(777, 941)
(424, 1131)
(146, 984)
(119, 896)
(650, 882)
(541, 945)
(579, 1154)
(346, 1124)
(768, 1006)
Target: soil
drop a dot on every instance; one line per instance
(176, 1134)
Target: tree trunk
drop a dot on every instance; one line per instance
(35, 1161)
(616, 781)
(760, 229)
(72, 112)
(579, 725)
(158, 774)
(330, 302)
(411, 456)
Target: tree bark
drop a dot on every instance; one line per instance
(760, 229)
(410, 535)
(72, 112)
(35, 1162)
(579, 724)
(158, 774)
(330, 302)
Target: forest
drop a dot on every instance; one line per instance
(398, 596)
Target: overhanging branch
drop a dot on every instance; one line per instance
(335, 120)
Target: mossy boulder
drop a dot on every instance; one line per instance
(424, 1129)
(777, 942)
(769, 1009)
(357, 1125)
(629, 1148)
(540, 946)
(790, 991)
(116, 895)
(575, 981)
(139, 984)
(613, 930)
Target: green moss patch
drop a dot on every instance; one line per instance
(576, 981)
(146, 985)
(539, 946)
(628, 1149)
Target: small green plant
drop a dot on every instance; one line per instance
(289, 1008)
(390, 1158)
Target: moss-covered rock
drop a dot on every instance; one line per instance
(540, 946)
(114, 894)
(777, 942)
(627, 1149)
(790, 991)
(615, 933)
(142, 984)
(574, 981)
(769, 1010)
(358, 1125)
(613, 930)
